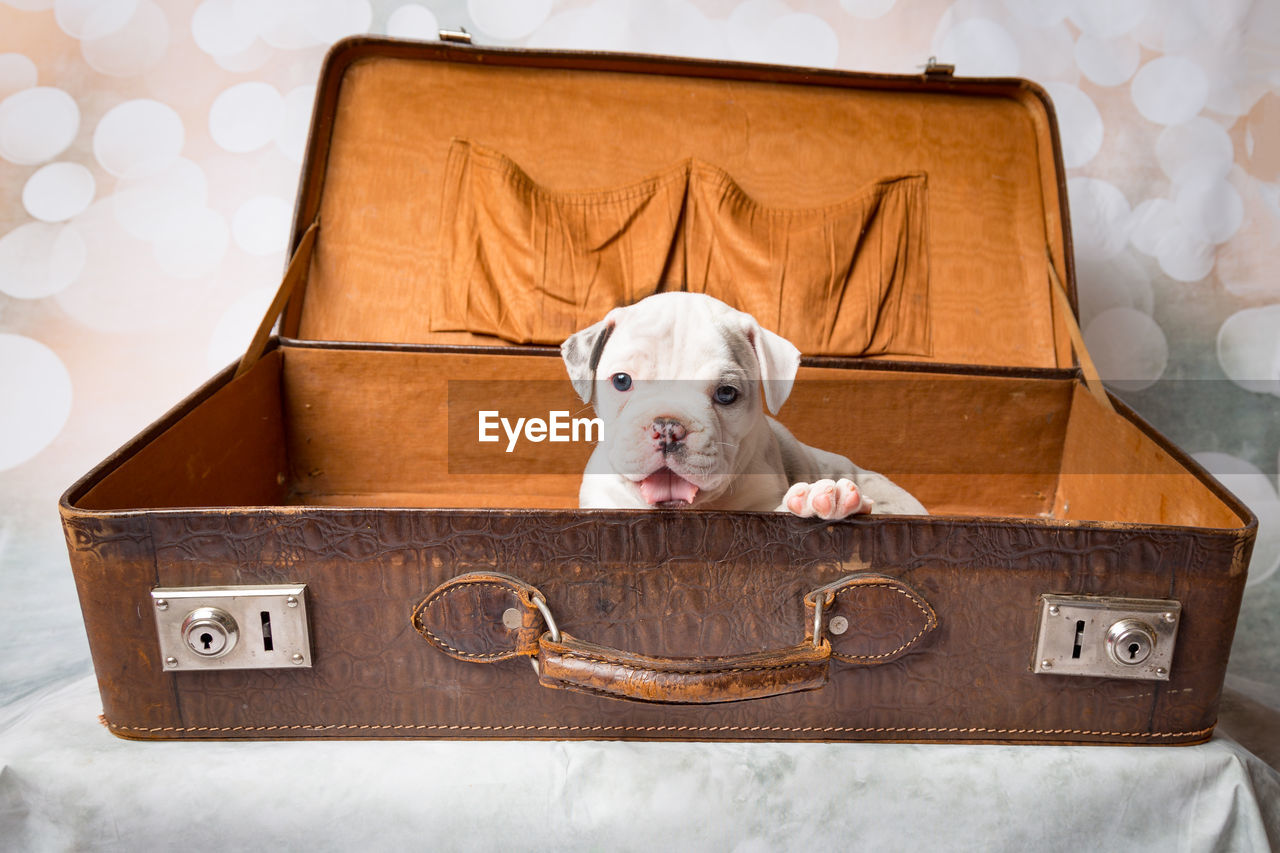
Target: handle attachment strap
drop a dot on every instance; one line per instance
(483, 617)
(294, 273)
(1092, 380)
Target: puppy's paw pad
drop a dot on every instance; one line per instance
(796, 500)
(823, 498)
(826, 499)
(812, 499)
(851, 501)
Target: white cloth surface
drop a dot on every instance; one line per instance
(67, 784)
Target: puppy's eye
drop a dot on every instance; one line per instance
(621, 381)
(725, 394)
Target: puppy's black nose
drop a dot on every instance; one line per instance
(667, 431)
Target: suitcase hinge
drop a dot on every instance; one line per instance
(458, 36)
(934, 68)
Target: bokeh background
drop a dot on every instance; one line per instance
(149, 156)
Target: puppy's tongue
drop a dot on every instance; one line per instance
(664, 486)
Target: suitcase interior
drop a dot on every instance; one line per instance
(330, 426)
(387, 355)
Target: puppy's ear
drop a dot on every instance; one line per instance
(779, 361)
(581, 353)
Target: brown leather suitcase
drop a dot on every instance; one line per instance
(315, 544)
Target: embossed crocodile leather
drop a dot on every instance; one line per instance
(882, 618)
(662, 584)
(481, 617)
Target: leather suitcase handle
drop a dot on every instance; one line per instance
(578, 665)
(483, 617)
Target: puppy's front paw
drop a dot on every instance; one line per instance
(826, 499)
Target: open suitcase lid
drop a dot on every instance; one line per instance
(478, 196)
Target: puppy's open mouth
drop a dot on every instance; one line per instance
(665, 488)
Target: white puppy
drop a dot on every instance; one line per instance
(676, 380)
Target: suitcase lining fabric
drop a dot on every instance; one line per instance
(532, 265)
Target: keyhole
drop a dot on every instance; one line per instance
(1133, 650)
(207, 639)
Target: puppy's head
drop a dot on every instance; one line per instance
(678, 380)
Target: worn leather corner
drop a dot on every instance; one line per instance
(481, 617)
(882, 618)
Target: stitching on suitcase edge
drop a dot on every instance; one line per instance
(929, 620)
(979, 730)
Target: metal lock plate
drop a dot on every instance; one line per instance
(232, 627)
(1106, 637)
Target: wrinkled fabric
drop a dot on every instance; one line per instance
(848, 279)
(67, 784)
(529, 264)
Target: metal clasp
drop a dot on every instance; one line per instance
(1105, 637)
(253, 626)
(546, 617)
(819, 603)
(817, 621)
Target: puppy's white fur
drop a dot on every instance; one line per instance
(668, 440)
